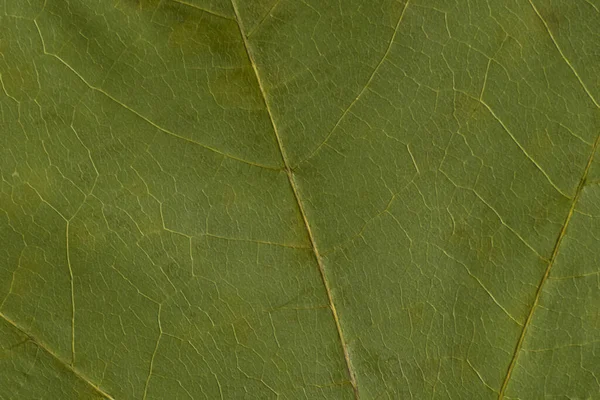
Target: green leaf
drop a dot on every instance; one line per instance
(312, 199)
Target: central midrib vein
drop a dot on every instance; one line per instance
(292, 182)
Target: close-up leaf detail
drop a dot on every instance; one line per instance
(299, 199)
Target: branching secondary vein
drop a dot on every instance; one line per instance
(565, 226)
(56, 357)
(363, 90)
(125, 106)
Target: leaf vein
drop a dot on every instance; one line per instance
(300, 205)
(565, 225)
(139, 115)
(365, 87)
(62, 362)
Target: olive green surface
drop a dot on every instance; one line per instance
(299, 199)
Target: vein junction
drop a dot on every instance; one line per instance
(294, 186)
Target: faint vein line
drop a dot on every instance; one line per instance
(487, 291)
(67, 221)
(265, 242)
(413, 159)
(493, 209)
(214, 13)
(563, 346)
(155, 125)
(510, 228)
(263, 19)
(300, 205)
(160, 333)
(548, 268)
(593, 5)
(43, 200)
(371, 77)
(364, 226)
(72, 294)
(586, 275)
(7, 94)
(520, 146)
(480, 377)
(12, 280)
(485, 78)
(563, 230)
(71, 276)
(550, 264)
(565, 59)
(489, 64)
(56, 357)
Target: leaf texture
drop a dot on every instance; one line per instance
(277, 199)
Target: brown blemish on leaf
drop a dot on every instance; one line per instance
(552, 15)
(196, 30)
(233, 88)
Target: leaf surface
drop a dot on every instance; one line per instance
(299, 199)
